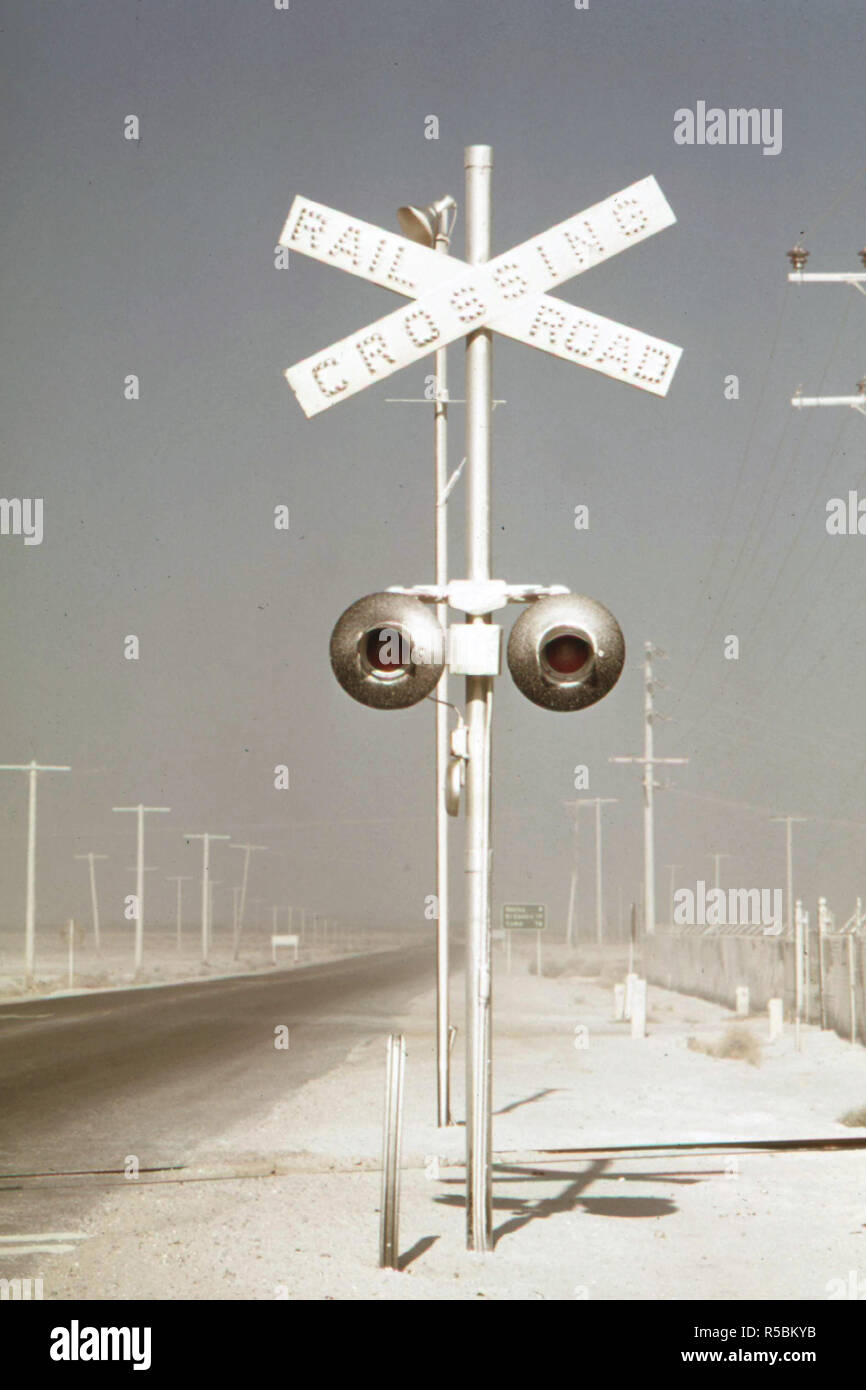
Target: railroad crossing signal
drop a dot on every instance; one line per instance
(566, 651)
(507, 294)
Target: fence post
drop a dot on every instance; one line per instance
(852, 992)
(822, 911)
(638, 1008)
(389, 1219)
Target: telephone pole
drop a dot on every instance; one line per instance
(33, 768)
(94, 905)
(140, 811)
(248, 850)
(789, 821)
(673, 868)
(649, 762)
(717, 859)
(205, 836)
(572, 892)
(180, 880)
(597, 802)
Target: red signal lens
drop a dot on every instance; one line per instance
(383, 650)
(566, 654)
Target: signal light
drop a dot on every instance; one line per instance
(388, 650)
(566, 652)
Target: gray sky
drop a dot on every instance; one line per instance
(707, 515)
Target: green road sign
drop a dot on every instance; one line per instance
(523, 916)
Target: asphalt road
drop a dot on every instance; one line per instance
(85, 1081)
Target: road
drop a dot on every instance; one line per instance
(87, 1081)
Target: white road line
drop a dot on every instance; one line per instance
(45, 1236)
(15, 1250)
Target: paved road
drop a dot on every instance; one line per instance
(84, 1081)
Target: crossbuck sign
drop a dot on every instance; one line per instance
(507, 294)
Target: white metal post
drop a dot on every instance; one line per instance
(71, 961)
(478, 163)
(440, 427)
(140, 813)
(649, 784)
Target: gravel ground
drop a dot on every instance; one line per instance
(665, 1225)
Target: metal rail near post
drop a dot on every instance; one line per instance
(389, 1217)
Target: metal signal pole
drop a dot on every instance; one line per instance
(440, 428)
(30, 910)
(478, 163)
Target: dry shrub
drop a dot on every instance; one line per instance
(737, 1044)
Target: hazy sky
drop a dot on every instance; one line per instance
(707, 515)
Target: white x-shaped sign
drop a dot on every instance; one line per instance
(507, 294)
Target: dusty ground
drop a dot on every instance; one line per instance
(661, 1226)
(163, 962)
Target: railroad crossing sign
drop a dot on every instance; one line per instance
(507, 294)
(523, 917)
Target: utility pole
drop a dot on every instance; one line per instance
(94, 905)
(478, 162)
(717, 859)
(597, 802)
(673, 868)
(649, 762)
(140, 812)
(236, 894)
(212, 884)
(789, 821)
(180, 880)
(798, 257)
(572, 892)
(33, 768)
(248, 850)
(205, 836)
